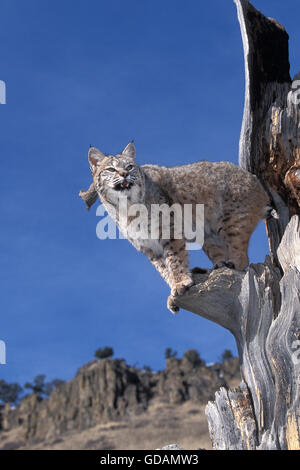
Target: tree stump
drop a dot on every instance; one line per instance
(261, 308)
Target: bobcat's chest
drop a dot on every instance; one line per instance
(126, 211)
(149, 245)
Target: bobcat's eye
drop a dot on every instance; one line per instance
(112, 169)
(129, 167)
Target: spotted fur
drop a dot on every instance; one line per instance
(234, 202)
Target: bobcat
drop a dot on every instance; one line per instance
(234, 202)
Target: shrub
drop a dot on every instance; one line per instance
(193, 357)
(41, 387)
(227, 355)
(170, 353)
(104, 353)
(9, 393)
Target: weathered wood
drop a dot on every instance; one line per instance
(262, 307)
(270, 137)
(266, 70)
(262, 310)
(288, 252)
(215, 297)
(231, 420)
(265, 318)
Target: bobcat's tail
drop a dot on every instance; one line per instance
(276, 205)
(271, 213)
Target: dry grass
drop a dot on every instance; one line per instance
(162, 424)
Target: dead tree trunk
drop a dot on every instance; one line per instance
(262, 307)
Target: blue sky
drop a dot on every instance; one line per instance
(168, 74)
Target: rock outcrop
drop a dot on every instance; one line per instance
(109, 390)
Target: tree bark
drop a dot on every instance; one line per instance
(269, 143)
(262, 307)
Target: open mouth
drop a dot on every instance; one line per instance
(123, 185)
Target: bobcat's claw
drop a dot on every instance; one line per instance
(183, 287)
(172, 305)
(180, 289)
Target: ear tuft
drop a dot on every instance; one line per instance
(129, 150)
(95, 157)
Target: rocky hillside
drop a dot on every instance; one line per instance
(111, 391)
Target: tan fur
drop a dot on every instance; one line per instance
(234, 202)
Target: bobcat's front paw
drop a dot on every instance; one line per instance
(182, 286)
(172, 305)
(178, 289)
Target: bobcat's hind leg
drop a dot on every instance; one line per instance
(237, 240)
(216, 249)
(238, 253)
(229, 248)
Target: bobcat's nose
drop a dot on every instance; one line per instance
(123, 173)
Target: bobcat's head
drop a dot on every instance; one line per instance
(119, 174)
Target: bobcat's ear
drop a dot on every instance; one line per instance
(95, 157)
(129, 150)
